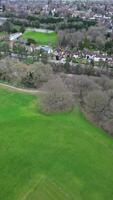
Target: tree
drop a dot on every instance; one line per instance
(71, 39)
(55, 97)
(96, 31)
(5, 48)
(96, 103)
(67, 64)
(96, 36)
(81, 86)
(109, 46)
(108, 126)
(44, 57)
(31, 41)
(22, 29)
(105, 83)
(86, 43)
(38, 75)
(12, 70)
(7, 27)
(20, 50)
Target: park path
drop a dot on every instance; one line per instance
(30, 91)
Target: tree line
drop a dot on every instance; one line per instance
(94, 38)
(61, 92)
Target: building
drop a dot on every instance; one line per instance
(46, 49)
(15, 36)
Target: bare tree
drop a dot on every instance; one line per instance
(81, 86)
(71, 39)
(12, 70)
(55, 97)
(96, 103)
(96, 32)
(105, 83)
(38, 74)
(108, 126)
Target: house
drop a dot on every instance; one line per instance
(46, 49)
(15, 36)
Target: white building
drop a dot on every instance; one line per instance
(15, 36)
(46, 49)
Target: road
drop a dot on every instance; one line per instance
(29, 91)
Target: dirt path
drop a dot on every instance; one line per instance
(30, 91)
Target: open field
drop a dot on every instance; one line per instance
(41, 38)
(59, 157)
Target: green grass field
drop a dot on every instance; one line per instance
(59, 157)
(41, 38)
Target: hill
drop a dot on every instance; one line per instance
(60, 157)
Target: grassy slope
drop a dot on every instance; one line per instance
(61, 157)
(41, 38)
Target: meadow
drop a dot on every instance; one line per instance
(41, 38)
(55, 157)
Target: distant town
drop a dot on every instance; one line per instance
(80, 32)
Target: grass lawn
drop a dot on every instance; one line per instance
(60, 157)
(41, 38)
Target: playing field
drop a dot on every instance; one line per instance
(60, 157)
(41, 38)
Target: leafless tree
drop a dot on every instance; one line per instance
(38, 74)
(55, 97)
(96, 103)
(104, 82)
(71, 39)
(96, 32)
(12, 70)
(108, 126)
(81, 86)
